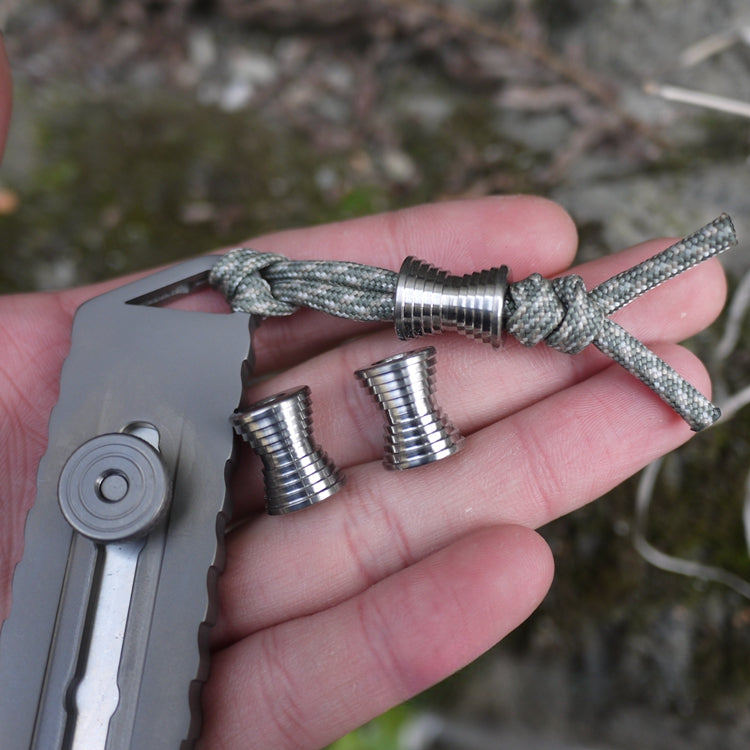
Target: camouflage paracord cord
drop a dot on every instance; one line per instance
(560, 311)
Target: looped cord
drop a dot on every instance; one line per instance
(268, 284)
(559, 312)
(238, 275)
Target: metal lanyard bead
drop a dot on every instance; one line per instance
(430, 300)
(297, 472)
(416, 432)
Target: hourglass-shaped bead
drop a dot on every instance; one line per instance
(416, 432)
(297, 472)
(430, 300)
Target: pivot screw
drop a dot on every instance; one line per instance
(114, 487)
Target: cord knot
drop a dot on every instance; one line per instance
(238, 276)
(559, 312)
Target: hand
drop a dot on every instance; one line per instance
(332, 615)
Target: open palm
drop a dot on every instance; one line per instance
(332, 615)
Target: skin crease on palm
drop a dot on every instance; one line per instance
(330, 616)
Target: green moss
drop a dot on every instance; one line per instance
(380, 734)
(128, 181)
(134, 179)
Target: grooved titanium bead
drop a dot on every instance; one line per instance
(296, 471)
(416, 432)
(430, 300)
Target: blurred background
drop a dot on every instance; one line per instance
(146, 132)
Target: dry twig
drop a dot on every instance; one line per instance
(598, 90)
(730, 406)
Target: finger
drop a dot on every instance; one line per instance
(462, 235)
(373, 651)
(476, 384)
(527, 233)
(534, 466)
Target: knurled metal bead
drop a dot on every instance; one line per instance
(416, 431)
